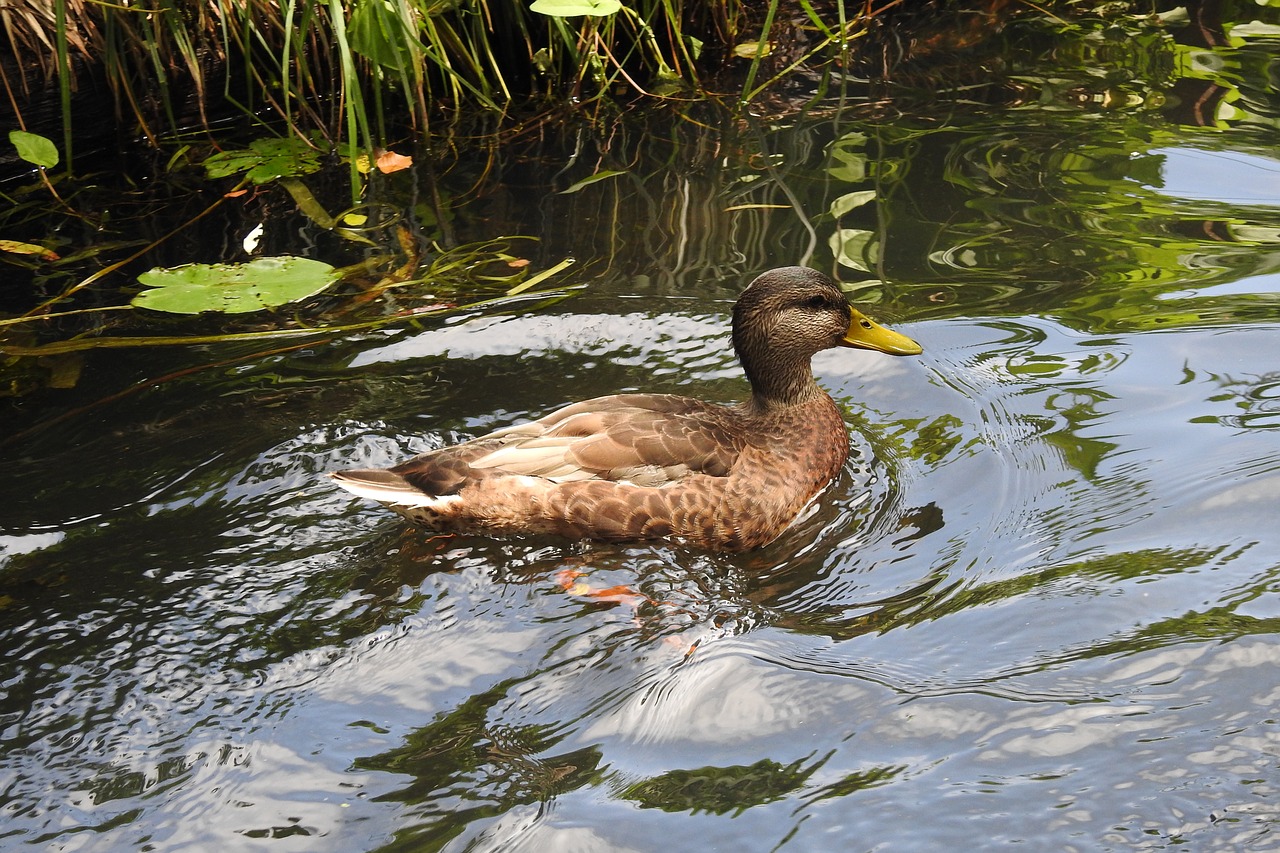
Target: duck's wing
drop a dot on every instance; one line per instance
(643, 439)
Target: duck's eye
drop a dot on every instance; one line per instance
(817, 303)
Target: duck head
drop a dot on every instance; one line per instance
(787, 315)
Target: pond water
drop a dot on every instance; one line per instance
(1041, 604)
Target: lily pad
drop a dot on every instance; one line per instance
(266, 160)
(233, 288)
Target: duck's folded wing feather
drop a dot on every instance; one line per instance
(655, 442)
(650, 440)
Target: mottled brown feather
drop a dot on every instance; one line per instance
(643, 466)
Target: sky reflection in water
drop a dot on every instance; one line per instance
(1039, 604)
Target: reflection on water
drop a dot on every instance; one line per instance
(1048, 548)
(1235, 177)
(1039, 604)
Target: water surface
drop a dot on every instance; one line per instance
(1039, 604)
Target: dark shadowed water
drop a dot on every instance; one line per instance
(1040, 605)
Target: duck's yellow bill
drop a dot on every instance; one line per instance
(867, 334)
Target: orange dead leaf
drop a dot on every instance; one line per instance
(614, 595)
(568, 577)
(234, 194)
(612, 592)
(390, 161)
(518, 263)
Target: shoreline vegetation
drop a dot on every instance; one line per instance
(363, 72)
(278, 123)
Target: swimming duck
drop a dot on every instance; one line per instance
(647, 466)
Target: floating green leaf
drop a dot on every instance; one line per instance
(233, 288)
(266, 160)
(585, 182)
(34, 148)
(574, 8)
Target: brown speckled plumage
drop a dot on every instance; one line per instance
(646, 466)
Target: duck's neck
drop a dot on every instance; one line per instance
(785, 380)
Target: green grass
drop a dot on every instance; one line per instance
(360, 70)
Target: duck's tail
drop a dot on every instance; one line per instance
(387, 487)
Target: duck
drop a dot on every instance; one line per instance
(633, 467)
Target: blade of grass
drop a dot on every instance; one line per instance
(747, 92)
(541, 277)
(64, 81)
(286, 79)
(357, 120)
(13, 321)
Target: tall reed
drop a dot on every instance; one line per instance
(341, 66)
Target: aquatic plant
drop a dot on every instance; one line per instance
(341, 66)
(321, 83)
